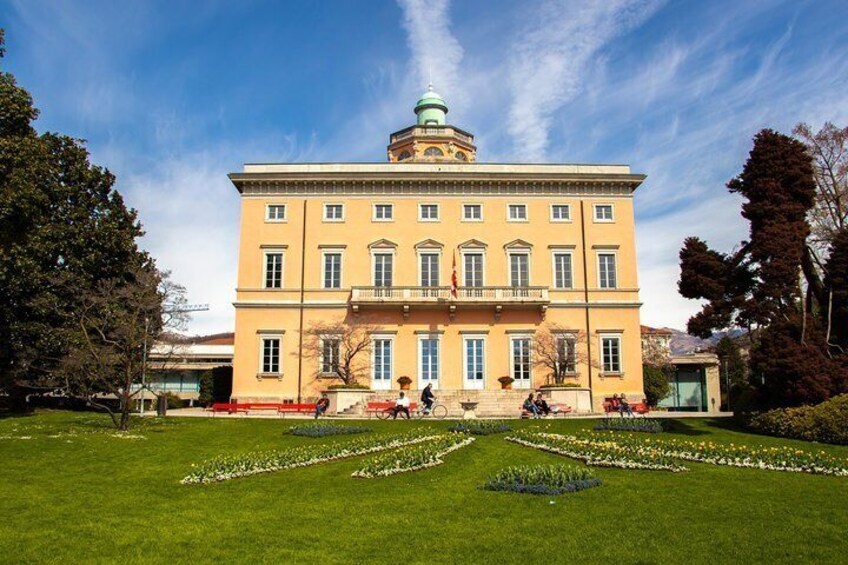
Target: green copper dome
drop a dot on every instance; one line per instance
(431, 109)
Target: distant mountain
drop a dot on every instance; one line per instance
(683, 343)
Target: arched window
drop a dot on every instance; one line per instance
(403, 156)
(461, 156)
(433, 152)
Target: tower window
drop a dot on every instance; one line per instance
(404, 156)
(461, 156)
(433, 152)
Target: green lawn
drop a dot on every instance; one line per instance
(87, 495)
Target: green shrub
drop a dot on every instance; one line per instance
(649, 425)
(481, 427)
(542, 479)
(826, 422)
(325, 429)
(655, 382)
(174, 401)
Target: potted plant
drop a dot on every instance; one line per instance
(506, 382)
(404, 382)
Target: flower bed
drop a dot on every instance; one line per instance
(325, 429)
(648, 425)
(542, 479)
(481, 427)
(234, 466)
(598, 451)
(413, 457)
(781, 458)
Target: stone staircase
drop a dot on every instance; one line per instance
(491, 403)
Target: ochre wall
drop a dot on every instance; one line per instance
(259, 309)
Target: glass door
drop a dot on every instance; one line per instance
(474, 363)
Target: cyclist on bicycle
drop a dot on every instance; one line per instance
(427, 398)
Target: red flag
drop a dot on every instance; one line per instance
(453, 277)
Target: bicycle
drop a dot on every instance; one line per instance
(437, 411)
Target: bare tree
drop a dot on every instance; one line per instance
(829, 150)
(340, 349)
(560, 351)
(112, 329)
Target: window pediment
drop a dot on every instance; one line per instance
(473, 244)
(382, 244)
(429, 244)
(518, 244)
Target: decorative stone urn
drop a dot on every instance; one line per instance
(468, 408)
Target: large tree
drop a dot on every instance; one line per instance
(759, 285)
(63, 231)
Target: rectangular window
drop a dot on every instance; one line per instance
(603, 213)
(519, 269)
(567, 353)
(474, 363)
(333, 212)
(429, 360)
(517, 212)
(560, 213)
(562, 270)
(472, 212)
(383, 212)
(428, 212)
(275, 212)
(273, 270)
(429, 269)
(611, 354)
(332, 270)
(606, 270)
(473, 269)
(270, 355)
(521, 361)
(330, 355)
(382, 363)
(383, 269)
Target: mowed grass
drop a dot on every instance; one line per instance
(90, 496)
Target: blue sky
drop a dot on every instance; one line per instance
(172, 96)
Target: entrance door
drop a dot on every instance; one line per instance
(520, 353)
(474, 363)
(381, 363)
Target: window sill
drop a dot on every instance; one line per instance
(553, 221)
(596, 221)
(261, 376)
(331, 221)
(267, 221)
(611, 375)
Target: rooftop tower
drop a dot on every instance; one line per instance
(431, 139)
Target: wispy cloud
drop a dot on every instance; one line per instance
(550, 57)
(436, 53)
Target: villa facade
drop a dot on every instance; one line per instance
(458, 264)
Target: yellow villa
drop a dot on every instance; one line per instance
(458, 265)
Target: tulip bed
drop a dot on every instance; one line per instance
(325, 429)
(542, 479)
(599, 451)
(412, 457)
(782, 458)
(235, 466)
(481, 427)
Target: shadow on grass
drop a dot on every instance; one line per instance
(683, 428)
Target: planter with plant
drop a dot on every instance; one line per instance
(404, 382)
(506, 382)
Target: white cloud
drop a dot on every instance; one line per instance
(551, 56)
(436, 53)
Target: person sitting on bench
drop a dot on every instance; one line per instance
(530, 406)
(322, 405)
(624, 406)
(543, 407)
(427, 397)
(401, 406)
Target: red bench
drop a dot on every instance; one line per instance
(292, 408)
(614, 405)
(380, 408)
(229, 408)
